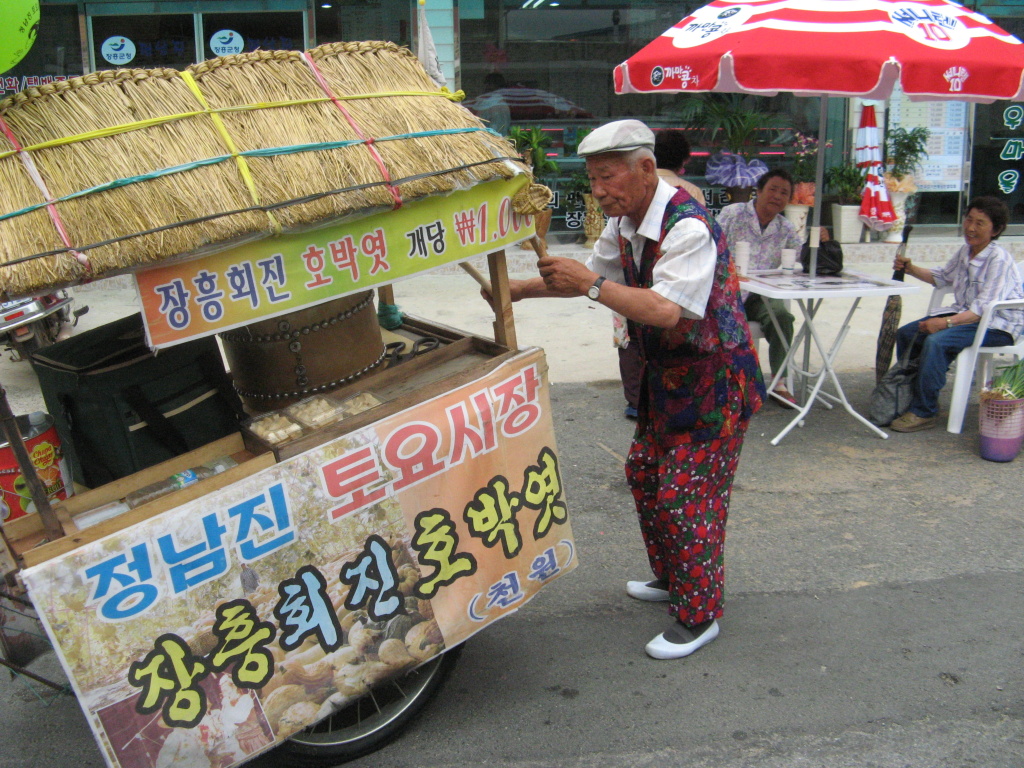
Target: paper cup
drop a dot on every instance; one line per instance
(788, 259)
(741, 255)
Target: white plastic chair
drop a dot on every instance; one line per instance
(974, 355)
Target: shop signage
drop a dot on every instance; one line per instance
(15, 83)
(213, 631)
(1012, 151)
(274, 276)
(117, 50)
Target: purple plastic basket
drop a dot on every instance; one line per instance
(1001, 424)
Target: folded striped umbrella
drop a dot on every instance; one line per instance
(875, 206)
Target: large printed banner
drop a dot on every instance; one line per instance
(274, 276)
(213, 631)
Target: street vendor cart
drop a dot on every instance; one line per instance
(387, 492)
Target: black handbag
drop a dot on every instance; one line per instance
(891, 397)
(830, 258)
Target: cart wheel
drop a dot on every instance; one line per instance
(374, 720)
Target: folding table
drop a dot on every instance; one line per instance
(808, 293)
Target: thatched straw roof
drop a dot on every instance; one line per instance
(144, 165)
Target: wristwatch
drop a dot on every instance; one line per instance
(949, 322)
(594, 291)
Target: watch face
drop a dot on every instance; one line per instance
(593, 292)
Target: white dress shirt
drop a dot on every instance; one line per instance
(685, 272)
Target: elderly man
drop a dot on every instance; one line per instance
(760, 222)
(663, 263)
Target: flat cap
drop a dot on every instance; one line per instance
(620, 136)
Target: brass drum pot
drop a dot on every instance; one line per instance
(280, 361)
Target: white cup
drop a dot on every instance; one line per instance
(741, 255)
(788, 259)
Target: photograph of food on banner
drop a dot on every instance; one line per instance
(221, 627)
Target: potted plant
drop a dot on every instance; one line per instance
(904, 151)
(532, 144)
(732, 122)
(1001, 414)
(846, 182)
(805, 158)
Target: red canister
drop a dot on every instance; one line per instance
(43, 446)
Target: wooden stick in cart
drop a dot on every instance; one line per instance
(476, 275)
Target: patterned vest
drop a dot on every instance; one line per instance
(699, 370)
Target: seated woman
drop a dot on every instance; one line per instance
(981, 272)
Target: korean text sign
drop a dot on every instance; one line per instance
(219, 628)
(274, 276)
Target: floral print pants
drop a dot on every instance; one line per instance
(682, 501)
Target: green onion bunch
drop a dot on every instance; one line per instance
(1008, 383)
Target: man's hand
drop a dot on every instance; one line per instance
(518, 290)
(932, 325)
(565, 277)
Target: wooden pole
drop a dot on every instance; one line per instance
(501, 299)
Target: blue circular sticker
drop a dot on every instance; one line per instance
(118, 50)
(226, 42)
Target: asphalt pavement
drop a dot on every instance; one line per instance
(873, 612)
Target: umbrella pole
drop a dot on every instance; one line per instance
(814, 236)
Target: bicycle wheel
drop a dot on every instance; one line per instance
(373, 720)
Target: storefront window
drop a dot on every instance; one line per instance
(351, 20)
(228, 33)
(56, 54)
(143, 41)
(550, 65)
(997, 166)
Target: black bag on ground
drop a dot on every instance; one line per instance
(891, 397)
(830, 258)
(119, 407)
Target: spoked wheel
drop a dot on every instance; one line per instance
(373, 720)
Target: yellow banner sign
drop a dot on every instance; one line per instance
(213, 631)
(271, 277)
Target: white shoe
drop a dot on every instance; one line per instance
(651, 591)
(680, 641)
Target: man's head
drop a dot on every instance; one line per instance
(671, 149)
(774, 191)
(621, 167)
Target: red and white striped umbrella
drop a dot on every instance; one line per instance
(875, 206)
(934, 48)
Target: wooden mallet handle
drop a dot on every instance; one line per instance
(475, 274)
